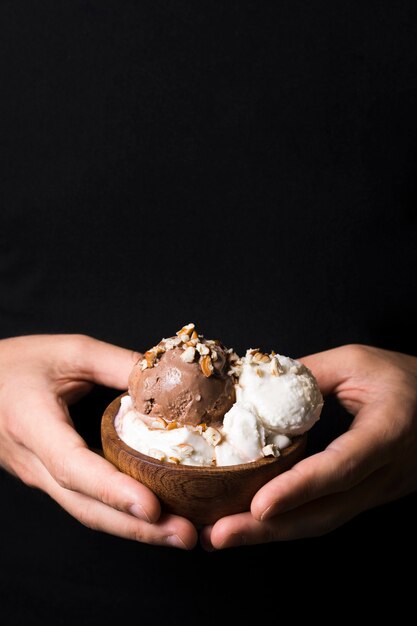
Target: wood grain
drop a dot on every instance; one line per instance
(201, 494)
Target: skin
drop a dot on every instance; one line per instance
(40, 376)
(374, 462)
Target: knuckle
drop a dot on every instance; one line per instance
(79, 341)
(74, 349)
(13, 429)
(304, 482)
(86, 517)
(13, 426)
(105, 489)
(137, 534)
(355, 351)
(24, 470)
(27, 476)
(61, 470)
(113, 490)
(345, 470)
(17, 462)
(346, 474)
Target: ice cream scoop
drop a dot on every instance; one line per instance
(184, 379)
(281, 391)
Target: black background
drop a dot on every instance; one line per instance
(248, 166)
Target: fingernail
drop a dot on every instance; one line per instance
(269, 512)
(175, 542)
(138, 511)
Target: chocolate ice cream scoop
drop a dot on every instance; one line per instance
(185, 379)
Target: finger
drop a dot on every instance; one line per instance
(310, 520)
(345, 463)
(170, 530)
(100, 362)
(76, 468)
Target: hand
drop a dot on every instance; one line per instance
(39, 376)
(372, 463)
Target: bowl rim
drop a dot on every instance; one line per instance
(108, 428)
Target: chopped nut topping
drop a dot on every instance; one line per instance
(202, 349)
(206, 366)
(270, 450)
(186, 330)
(172, 425)
(174, 459)
(172, 342)
(212, 436)
(188, 355)
(191, 342)
(158, 423)
(184, 450)
(259, 372)
(260, 357)
(150, 357)
(276, 367)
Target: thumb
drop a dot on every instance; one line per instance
(102, 363)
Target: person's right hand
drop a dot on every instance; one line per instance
(39, 376)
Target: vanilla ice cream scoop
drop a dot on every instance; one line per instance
(281, 391)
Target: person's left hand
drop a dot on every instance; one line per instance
(372, 463)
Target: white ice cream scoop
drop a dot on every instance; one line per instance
(282, 391)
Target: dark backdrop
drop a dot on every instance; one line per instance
(248, 166)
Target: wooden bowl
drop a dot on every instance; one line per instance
(201, 494)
